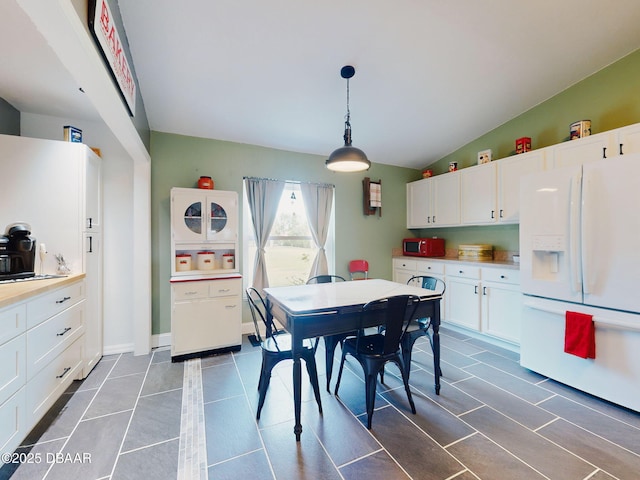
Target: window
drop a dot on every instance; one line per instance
(290, 250)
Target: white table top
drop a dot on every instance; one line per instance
(301, 299)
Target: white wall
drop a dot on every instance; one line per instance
(118, 223)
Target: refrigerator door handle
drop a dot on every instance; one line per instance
(586, 228)
(574, 234)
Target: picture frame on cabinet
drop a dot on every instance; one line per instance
(484, 156)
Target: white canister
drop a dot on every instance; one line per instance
(228, 260)
(206, 260)
(183, 262)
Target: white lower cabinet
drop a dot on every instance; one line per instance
(206, 315)
(463, 295)
(483, 298)
(41, 352)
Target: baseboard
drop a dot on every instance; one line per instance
(161, 340)
(117, 349)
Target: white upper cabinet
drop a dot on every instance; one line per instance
(419, 202)
(576, 152)
(204, 215)
(628, 140)
(446, 199)
(490, 193)
(478, 194)
(510, 171)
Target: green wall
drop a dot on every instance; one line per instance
(609, 98)
(178, 161)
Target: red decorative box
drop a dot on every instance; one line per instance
(523, 145)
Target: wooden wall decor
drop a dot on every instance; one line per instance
(372, 196)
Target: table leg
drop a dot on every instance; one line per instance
(296, 347)
(435, 323)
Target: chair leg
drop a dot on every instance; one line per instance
(406, 345)
(405, 380)
(310, 362)
(335, 392)
(370, 385)
(330, 344)
(265, 379)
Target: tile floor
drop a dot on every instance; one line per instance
(492, 420)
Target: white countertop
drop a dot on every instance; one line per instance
(478, 263)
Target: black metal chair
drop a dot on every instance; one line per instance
(325, 279)
(420, 326)
(277, 347)
(375, 350)
(330, 341)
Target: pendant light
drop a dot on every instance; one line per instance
(348, 158)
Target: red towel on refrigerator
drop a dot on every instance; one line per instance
(579, 335)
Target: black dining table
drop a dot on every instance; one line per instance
(316, 310)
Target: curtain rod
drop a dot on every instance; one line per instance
(295, 182)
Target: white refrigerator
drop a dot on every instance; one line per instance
(580, 252)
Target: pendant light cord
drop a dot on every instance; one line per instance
(347, 123)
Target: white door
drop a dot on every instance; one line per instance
(611, 233)
(510, 171)
(446, 199)
(419, 203)
(478, 194)
(550, 234)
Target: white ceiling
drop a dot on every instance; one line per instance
(431, 75)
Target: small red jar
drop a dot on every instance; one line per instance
(206, 183)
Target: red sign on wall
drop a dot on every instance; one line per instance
(106, 34)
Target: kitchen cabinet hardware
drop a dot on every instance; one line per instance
(224, 290)
(90, 238)
(64, 372)
(460, 271)
(63, 332)
(64, 299)
(493, 214)
(484, 291)
(620, 151)
(604, 152)
(502, 276)
(475, 289)
(90, 223)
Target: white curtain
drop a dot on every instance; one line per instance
(263, 196)
(318, 200)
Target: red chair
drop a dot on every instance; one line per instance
(359, 269)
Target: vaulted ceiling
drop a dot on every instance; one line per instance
(430, 75)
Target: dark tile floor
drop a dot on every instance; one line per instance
(492, 420)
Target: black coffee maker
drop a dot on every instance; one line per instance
(17, 252)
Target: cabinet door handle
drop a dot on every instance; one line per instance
(90, 244)
(230, 306)
(502, 276)
(484, 291)
(604, 152)
(223, 290)
(66, 370)
(64, 299)
(63, 332)
(476, 290)
(89, 222)
(621, 153)
(190, 293)
(460, 271)
(501, 213)
(434, 219)
(493, 214)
